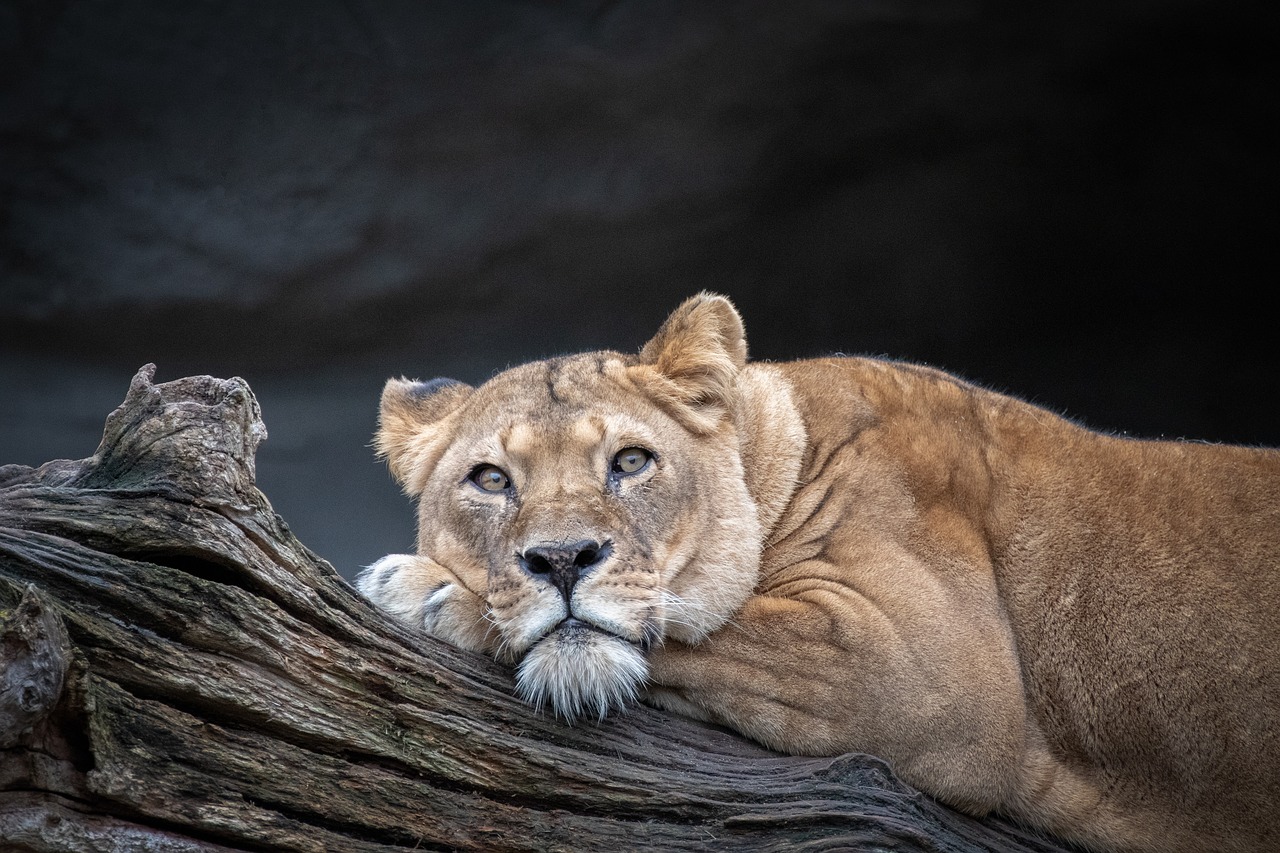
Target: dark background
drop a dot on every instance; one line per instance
(1072, 202)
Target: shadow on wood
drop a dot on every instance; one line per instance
(179, 673)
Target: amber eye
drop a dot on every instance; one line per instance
(491, 478)
(631, 460)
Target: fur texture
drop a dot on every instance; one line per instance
(850, 554)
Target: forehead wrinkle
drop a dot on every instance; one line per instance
(575, 381)
(623, 429)
(590, 433)
(559, 409)
(588, 430)
(518, 439)
(543, 448)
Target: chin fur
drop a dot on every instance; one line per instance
(581, 672)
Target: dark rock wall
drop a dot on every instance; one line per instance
(1072, 202)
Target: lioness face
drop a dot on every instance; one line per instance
(587, 509)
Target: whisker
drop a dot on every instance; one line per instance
(678, 608)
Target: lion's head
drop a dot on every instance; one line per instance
(593, 505)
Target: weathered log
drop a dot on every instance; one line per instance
(179, 673)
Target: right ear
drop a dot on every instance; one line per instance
(415, 425)
(691, 364)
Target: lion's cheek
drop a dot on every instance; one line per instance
(628, 611)
(524, 612)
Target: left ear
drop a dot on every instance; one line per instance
(416, 422)
(690, 365)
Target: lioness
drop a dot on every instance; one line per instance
(849, 554)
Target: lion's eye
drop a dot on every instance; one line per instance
(491, 478)
(631, 460)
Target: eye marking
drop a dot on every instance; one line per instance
(490, 478)
(631, 460)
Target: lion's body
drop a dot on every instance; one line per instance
(848, 554)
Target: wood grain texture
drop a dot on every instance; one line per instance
(181, 674)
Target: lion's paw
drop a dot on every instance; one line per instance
(423, 594)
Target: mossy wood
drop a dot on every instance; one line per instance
(179, 673)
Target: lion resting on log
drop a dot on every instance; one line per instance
(849, 554)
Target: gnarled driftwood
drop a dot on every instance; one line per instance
(179, 673)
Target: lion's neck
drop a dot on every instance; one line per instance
(771, 438)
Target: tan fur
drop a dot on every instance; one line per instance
(1024, 616)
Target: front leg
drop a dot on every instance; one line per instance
(421, 593)
(827, 671)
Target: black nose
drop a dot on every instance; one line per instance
(563, 565)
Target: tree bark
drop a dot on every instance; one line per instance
(179, 673)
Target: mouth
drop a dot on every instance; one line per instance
(572, 624)
(571, 630)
